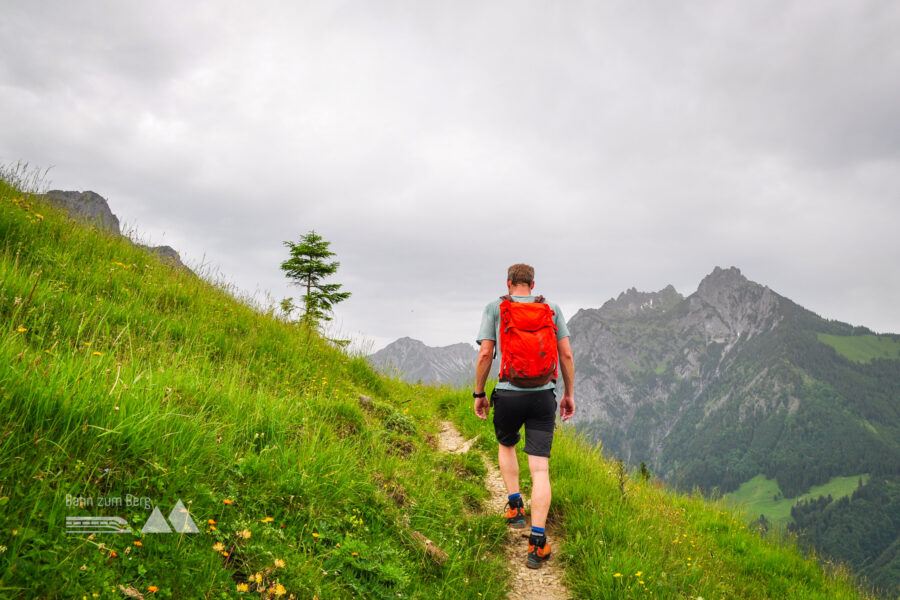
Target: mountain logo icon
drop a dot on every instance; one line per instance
(180, 519)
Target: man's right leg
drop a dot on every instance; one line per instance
(538, 442)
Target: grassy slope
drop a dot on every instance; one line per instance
(863, 348)
(122, 376)
(756, 496)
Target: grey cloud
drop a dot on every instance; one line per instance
(612, 144)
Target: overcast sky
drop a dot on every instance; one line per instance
(609, 144)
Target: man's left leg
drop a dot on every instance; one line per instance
(509, 469)
(507, 422)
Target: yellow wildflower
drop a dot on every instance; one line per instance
(136, 543)
(617, 574)
(257, 578)
(639, 573)
(279, 590)
(218, 546)
(244, 534)
(227, 501)
(95, 353)
(279, 563)
(21, 329)
(212, 522)
(267, 520)
(243, 587)
(152, 589)
(315, 535)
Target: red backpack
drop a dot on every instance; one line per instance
(528, 351)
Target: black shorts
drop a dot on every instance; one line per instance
(536, 410)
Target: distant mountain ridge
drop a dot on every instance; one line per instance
(415, 362)
(729, 382)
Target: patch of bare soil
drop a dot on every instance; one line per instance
(526, 584)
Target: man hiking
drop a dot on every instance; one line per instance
(533, 347)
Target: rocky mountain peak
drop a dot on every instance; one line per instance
(740, 306)
(406, 342)
(632, 302)
(721, 281)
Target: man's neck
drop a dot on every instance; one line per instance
(520, 290)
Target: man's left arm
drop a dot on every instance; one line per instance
(567, 366)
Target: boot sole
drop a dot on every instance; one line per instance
(537, 565)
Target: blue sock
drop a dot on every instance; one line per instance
(538, 531)
(515, 496)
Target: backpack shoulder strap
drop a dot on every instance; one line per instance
(504, 298)
(540, 300)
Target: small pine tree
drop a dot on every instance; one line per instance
(307, 267)
(645, 472)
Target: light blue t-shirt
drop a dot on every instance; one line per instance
(490, 330)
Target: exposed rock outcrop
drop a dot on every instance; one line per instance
(88, 206)
(93, 208)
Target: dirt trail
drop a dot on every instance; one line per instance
(544, 583)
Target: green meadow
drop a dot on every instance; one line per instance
(863, 348)
(762, 496)
(307, 475)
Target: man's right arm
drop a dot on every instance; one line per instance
(482, 370)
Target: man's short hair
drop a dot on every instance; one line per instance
(519, 274)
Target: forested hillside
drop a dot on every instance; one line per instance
(862, 530)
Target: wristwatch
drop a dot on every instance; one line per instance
(481, 395)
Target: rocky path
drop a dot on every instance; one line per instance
(544, 583)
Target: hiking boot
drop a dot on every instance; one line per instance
(538, 551)
(515, 513)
